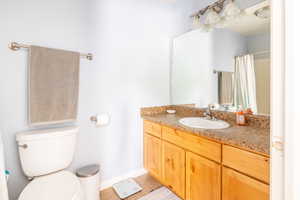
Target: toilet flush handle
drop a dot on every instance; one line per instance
(24, 146)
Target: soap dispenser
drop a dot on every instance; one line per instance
(240, 117)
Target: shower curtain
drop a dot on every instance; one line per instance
(225, 87)
(244, 81)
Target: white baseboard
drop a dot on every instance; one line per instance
(108, 183)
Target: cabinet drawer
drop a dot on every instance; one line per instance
(152, 128)
(193, 143)
(246, 162)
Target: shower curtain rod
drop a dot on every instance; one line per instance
(217, 71)
(261, 52)
(254, 53)
(17, 46)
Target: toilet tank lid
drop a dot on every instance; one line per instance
(46, 133)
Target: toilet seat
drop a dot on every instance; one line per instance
(62, 185)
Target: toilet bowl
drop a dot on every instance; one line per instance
(59, 186)
(44, 156)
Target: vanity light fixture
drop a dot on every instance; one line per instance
(227, 8)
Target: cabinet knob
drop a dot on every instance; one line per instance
(173, 165)
(193, 168)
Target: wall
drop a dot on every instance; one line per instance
(259, 43)
(226, 45)
(130, 42)
(285, 173)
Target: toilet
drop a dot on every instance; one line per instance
(44, 156)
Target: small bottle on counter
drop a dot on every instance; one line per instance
(240, 118)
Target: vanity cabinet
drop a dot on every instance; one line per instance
(203, 178)
(174, 168)
(241, 187)
(196, 168)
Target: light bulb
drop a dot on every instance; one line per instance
(196, 22)
(263, 13)
(222, 23)
(231, 10)
(198, 25)
(212, 17)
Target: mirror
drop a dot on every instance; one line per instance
(227, 66)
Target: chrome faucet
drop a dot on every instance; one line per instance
(208, 113)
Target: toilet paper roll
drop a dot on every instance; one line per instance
(102, 119)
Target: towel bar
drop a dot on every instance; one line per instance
(17, 46)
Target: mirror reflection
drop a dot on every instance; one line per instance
(228, 66)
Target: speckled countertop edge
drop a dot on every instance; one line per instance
(250, 138)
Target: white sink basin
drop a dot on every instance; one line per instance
(201, 122)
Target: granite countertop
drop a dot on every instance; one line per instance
(246, 137)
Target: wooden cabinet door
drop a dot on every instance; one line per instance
(153, 155)
(174, 168)
(203, 178)
(237, 186)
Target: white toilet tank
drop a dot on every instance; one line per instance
(46, 151)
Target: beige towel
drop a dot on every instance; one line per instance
(226, 87)
(53, 85)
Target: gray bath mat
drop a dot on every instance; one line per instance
(162, 193)
(126, 188)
